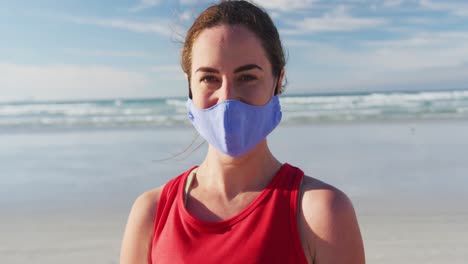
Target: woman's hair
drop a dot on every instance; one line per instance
(237, 13)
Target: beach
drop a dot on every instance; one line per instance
(65, 195)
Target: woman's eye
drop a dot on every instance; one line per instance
(247, 77)
(208, 79)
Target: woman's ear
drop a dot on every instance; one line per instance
(279, 88)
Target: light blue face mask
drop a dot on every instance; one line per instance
(234, 127)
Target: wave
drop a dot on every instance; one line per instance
(302, 109)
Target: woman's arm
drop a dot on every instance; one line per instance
(331, 229)
(139, 229)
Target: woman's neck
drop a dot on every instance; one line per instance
(229, 176)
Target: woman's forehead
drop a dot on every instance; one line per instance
(226, 46)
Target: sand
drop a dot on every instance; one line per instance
(388, 239)
(65, 196)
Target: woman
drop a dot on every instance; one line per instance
(241, 205)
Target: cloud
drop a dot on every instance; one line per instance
(145, 4)
(439, 79)
(336, 20)
(456, 8)
(286, 5)
(421, 21)
(392, 3)
(157, 27)
(167, 68)
(195, 2)
(186, 16)
(168, 72)
(56, 82)
(426, 40)
(296, 43)
(419, 52)
(107, 53)
(425, 60)
(280, 5)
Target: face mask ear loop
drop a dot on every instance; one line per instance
(278, 85)
(276, 88)
(189, 89)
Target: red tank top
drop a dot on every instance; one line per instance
(264, 232)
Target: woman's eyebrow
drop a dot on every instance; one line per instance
(237, 70)
(247, 67)
(207, 69)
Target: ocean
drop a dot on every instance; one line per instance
(171, 112)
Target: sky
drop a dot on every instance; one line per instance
(77, 49)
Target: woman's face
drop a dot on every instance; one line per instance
(229, 62)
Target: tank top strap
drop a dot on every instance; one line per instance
(168, 195)
(291, 177)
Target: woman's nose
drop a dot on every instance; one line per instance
(227, 91)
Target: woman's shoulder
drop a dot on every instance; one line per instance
(137, 237)
(330, 223)
(140, 223)
(146, 202)
(318, 195)
(145, 205)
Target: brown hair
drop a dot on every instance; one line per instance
(237, 13)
